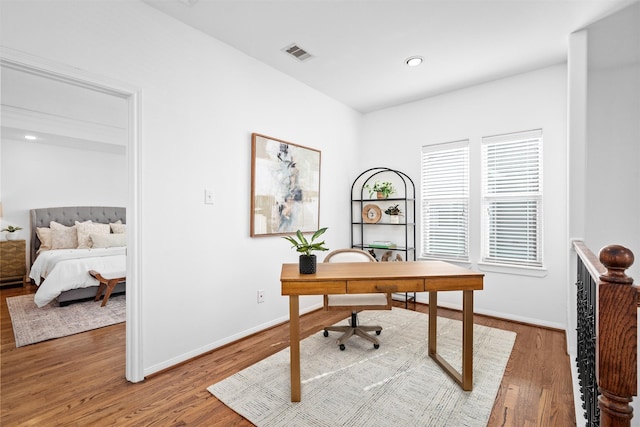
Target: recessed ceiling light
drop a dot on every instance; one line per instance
(30, 137)
(414, 61)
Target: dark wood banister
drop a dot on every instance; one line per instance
(617, 331)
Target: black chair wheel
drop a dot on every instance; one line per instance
(376, 346)
(325, 333)
(378, 332)
(342, 347)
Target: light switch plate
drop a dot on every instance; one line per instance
(208, 197)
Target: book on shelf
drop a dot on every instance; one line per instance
(383, 244)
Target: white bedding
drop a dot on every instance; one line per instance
(66, 269)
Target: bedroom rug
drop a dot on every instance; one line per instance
(395, 385)
(32, 324)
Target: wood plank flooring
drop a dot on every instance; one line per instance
(79, 380)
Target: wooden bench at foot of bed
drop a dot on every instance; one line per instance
(109, 282)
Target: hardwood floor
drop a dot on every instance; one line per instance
(79, 380)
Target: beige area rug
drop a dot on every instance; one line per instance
(32, 324)
(395, 385)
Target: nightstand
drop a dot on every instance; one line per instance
(13, 268)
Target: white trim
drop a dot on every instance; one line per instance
(519, 270)
(227, 340)
(577, 393)
(424, 298)
(28, 63)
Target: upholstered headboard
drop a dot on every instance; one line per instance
(68, 216)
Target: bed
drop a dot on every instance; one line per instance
(61, 268)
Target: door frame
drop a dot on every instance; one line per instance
(21, 61)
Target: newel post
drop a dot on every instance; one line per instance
(616, 343)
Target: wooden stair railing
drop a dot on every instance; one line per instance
(615, 325)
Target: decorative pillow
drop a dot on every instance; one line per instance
(108, 240)
(44, 235)
(85, 229)
(118, 227)
(63, 237)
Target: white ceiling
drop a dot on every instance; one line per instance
(359, 46)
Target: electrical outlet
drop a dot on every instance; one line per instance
(260, 296)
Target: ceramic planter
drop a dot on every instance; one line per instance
(307, 264)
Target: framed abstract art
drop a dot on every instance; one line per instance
(285, 187)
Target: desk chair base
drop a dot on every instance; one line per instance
(354, 329)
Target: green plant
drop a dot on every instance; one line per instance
(393, 210)
(386, 188)
(12, 228)
(305, 246)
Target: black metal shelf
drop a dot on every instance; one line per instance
(383, 223)
(406, 231)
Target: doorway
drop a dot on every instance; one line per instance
(37, 70)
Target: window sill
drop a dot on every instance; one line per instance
(511, 269)
(458, 262)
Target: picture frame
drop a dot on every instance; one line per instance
(285, 187)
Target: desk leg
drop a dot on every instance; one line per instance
(433, 322)
(294, 344)
(467, 340)
(465, 380)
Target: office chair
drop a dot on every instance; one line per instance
(355, 302)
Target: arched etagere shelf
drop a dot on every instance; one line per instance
(385, 237)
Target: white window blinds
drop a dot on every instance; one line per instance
(512, 198)
(445, 200)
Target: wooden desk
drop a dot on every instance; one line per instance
(365, 277)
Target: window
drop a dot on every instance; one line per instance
(512, 199)
(445, 200)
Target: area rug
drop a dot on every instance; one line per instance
(32, 324)
(395, 385)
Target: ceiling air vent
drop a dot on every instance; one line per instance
(297, 52)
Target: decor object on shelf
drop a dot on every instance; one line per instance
(285, 187)
(371, 213)
(383, 244)
(308, 260)
(393, 210)
(394, 213)
(11, 232)
(387, 257)
(383, 189)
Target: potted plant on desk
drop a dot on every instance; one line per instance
(12, 232)
(308, 260)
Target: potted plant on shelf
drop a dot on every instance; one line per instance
(394, 213)
(12, 232)
(305, 247)
(383, 189)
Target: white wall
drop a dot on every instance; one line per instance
(524, 102)
(37, 175)
(613, 133)
(201, 100)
